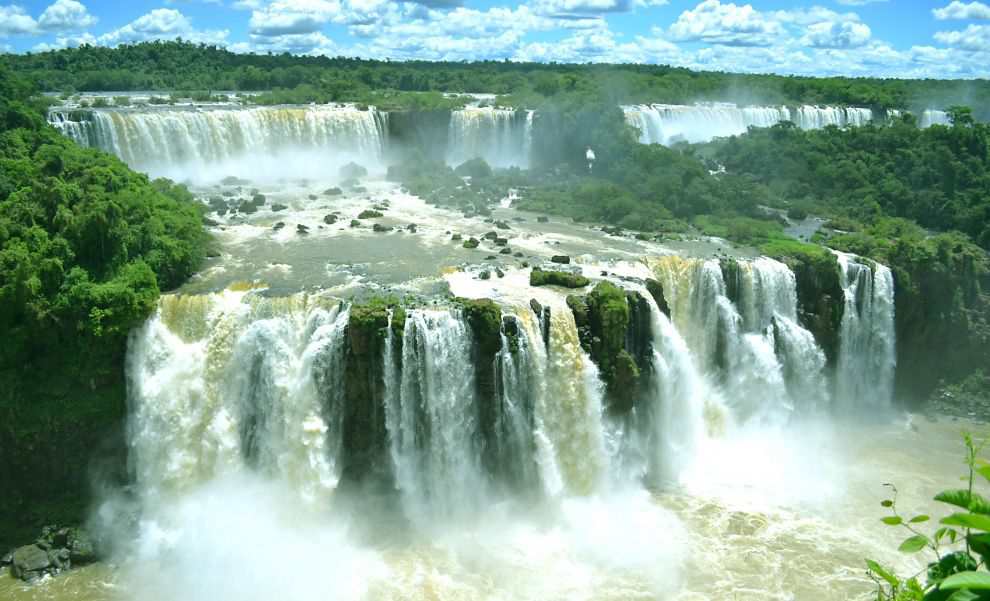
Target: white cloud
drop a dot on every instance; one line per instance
(15, 21)
(728, 24)
(859, 2)
(66, 42)
(962, 10)
(66, 15)
(293, 17)
(570, 8)
(842, 34)
(974, 37)
(159, 24)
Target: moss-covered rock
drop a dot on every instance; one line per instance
(579, 308)
(484, 317)
(609, 319)
(369, 214)
(821, 300)
(655, 288)
(540, 277)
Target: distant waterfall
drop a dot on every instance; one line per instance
(503, 137)
(867, 352)
(930, 117)
(152, 139)
(670, 123)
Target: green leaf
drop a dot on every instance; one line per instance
(913, 544)
(958, 497)
(976, 581)
(968, 520)
(887, 503)
(892, 520)
(984, 470)
(963, 595)
(918, 519)
(881, 572)
(978, 504)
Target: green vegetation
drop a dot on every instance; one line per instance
(541, 277)
(178, 65)
(960, 547)
(85, 247)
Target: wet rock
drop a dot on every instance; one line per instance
(276, 207)
(542, 219)
(491, 258)
(210, 222)
(499, 272)
(231, 180)
(355, 223)
(258, 198)
(518, 255)
(82, 547)
(505, 251)
(490, 236)
(313, 197)
(7, 559)
(411, 227)
(471, 243)
(612, 230)
(352, 171)
(502, 225)
(31, 562)
(369, 214)
(485, 275)
(302, 229)
(456, 237)
(330, 219)
(382, 228)
(278, 226)
(333, 192)
(501, 241)
(560, 259)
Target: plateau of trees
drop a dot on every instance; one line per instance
(178, 65)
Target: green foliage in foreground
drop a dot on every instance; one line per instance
(86, 245)
(959, 547)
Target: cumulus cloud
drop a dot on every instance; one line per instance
(15, 21)
(66, 42)
(843, 34)
(727, 24)
(859, 2)
(974, 37)
(293, 17)
(962, 10)
(161, 23)
(66, 15)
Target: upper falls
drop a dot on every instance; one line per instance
(669, 123)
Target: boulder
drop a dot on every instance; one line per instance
(560, 259)
(382, 228)
(369, 214)
(302, 229)
(471, 243)
(276, 207)
(502, 225)
(456, 237)
(31, 562)
(330, 219)
(333, 192)
(490, 236)
(352, 171)
(355, 223)
(542, 219)
(501, 241)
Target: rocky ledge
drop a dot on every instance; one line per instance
(56, 550)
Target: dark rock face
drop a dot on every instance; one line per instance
(561, 259)
(609, 319)
(821, 301)
(365, 443)
(484, 318)
(302, 229)
(382, 228)
(543, 316)
(655, 288)
(276, 207)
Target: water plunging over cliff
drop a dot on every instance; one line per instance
(503, 137)
(232, 141)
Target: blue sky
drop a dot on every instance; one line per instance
(897, 38)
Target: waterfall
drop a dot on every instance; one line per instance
(229, 381)
(151, 139)
(503, 137)
(433, 422)
(669, 123)
(867, 350)
(930, 117)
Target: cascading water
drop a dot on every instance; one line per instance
(503, 137)
(433, 419)
(227, 382)
(166, 139)
(867, 350)
(930, 117)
